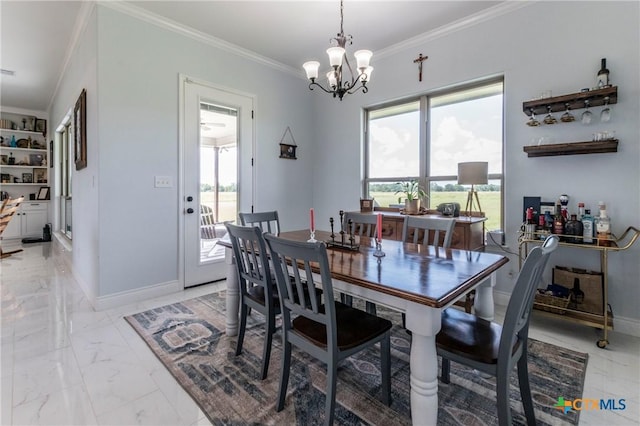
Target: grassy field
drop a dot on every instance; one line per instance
(489, 201)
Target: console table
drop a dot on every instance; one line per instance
(468, 233)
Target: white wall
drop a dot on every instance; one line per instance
(138, 68)
(81, 73)
(542, 46)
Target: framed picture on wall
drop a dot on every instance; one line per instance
(80, 131)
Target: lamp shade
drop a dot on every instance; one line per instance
(473, 173)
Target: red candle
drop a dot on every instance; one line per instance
(312, 221)
(379, 226)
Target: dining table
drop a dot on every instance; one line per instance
(418, 280)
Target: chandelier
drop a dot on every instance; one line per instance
(337, 80)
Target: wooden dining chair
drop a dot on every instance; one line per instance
(267, 221)
(257, 289)
(9, 208)
(432, 231)
(329, 332)
(360, 224)
(495, 349)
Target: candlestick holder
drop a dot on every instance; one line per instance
(379, 253)
(312, 235)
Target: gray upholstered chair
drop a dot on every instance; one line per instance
(361, 224)
(494, 349)
(257, 288)
(428, 230)
(267, 221)
(329, 332)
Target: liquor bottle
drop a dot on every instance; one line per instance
(587, 227)
(602, 79)
(558, 221)
(580, 211)
(11, 160)
(13, 141)
(603, 226)
(576, 295)
(548, 223)
(530, 225)
(575, 229)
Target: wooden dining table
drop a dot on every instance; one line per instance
(416, 279)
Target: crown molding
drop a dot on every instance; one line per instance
(461, 24)
(166, 23)
(79, 26)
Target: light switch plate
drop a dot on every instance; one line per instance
(163, 182)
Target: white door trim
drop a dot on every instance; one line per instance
(245, 201)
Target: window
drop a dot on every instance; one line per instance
(425, 138)
(66, 163)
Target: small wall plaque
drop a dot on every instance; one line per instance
(288, 145)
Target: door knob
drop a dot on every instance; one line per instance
(189, 198)
(190, 210)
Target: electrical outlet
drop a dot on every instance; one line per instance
(163, 182)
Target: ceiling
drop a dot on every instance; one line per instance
(285, 32)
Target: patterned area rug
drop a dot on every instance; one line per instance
(189, 338)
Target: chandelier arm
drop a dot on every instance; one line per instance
(320, 86)
(364, 89)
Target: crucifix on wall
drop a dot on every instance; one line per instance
(419, 60)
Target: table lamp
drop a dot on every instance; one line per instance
(473, 173)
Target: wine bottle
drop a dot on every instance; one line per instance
(602, 79)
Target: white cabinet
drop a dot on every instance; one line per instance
(28, 221)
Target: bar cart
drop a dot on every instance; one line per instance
(604, 321)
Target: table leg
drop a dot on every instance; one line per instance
(483, 304)
(233, 294)
(424, 323)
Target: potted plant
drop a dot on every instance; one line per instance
(413, 194)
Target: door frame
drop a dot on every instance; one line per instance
(184, 79)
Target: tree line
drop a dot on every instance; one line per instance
(205, 187)
(435, 187)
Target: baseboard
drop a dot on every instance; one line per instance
(624, 325)
(131, 296)
(63, 250)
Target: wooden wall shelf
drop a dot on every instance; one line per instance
(572, 148)
(575, 101)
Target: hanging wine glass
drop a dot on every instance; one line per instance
(605, 115)
(567, 117)
(586, 115)
(549, 119)
(533, 121)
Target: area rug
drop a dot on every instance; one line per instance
(189, 339)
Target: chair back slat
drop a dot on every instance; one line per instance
(516, 321)
(428, 231)
(267, 221)
(251, 258)
(361, 224)
(302, 257)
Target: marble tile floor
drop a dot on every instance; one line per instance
(62, 363)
